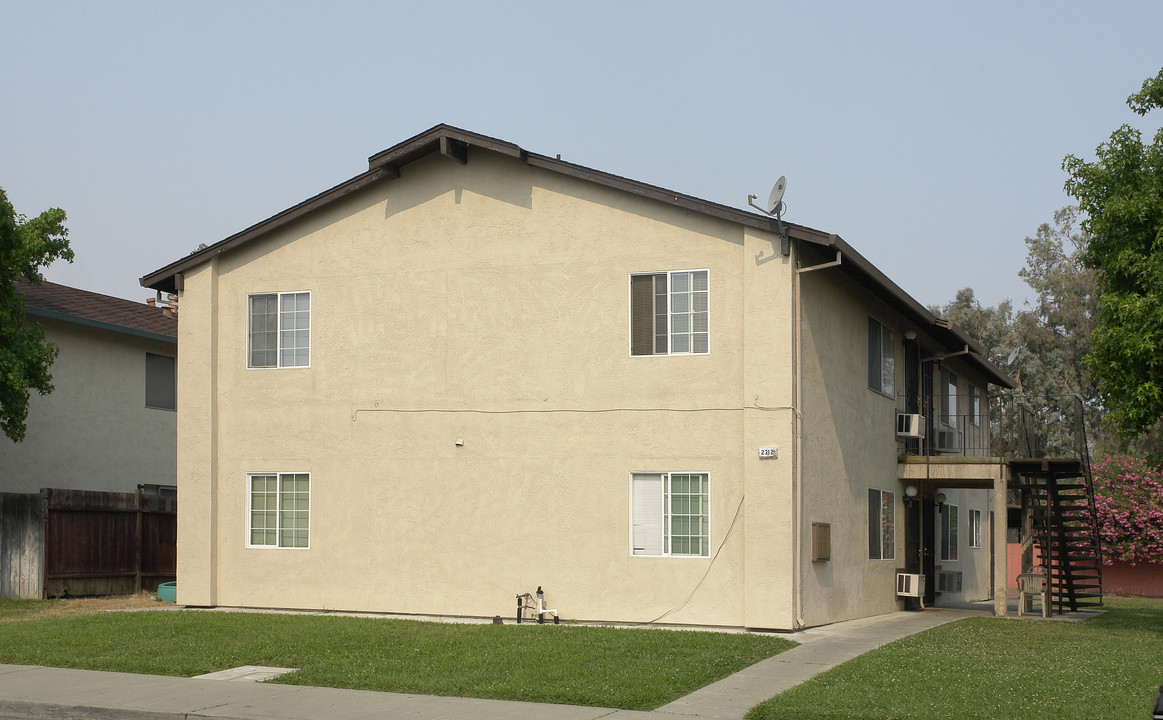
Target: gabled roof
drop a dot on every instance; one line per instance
(454, 143)
(61, 302)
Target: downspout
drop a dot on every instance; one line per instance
(797, 430)
(797, 453)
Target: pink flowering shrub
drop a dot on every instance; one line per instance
(1128, 496)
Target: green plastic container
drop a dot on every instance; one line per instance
(167, 592)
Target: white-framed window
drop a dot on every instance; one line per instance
(881, 524)
(975, 528)
(881, 358)
(974, 405)
(279, 330)
(670, 313)
(279, 510)
(161, 382)
(949, 533)
(948, 397)
(669, 514)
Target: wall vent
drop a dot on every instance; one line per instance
(949, 581)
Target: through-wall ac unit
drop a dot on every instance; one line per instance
(910, 584)
(948, 441)
(949, 581)
(910, 425)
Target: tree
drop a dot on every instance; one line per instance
(26, 246)
(1043, 346)
(1121, 195)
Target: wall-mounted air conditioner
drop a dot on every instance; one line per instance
(910, 425)
(910, 584)
(948, 441)
(948, 581)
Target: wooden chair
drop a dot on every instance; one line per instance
(1036, 585)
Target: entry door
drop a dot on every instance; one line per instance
(929, 537)
(912, 535)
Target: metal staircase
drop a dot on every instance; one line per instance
(1064, 535)
(1059, 494)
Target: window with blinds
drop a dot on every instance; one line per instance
(670, 313)
(670, 514)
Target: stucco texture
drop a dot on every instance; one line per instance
(93, 432)
(487, 304)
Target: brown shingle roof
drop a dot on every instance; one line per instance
(89, 308)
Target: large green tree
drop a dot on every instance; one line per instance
(1042, 345)
(26, 247)
(1121, 195)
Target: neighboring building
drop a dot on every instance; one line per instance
(109, 424)
(474, 370)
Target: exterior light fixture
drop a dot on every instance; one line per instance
(911, 491)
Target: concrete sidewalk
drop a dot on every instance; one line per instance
(38, 692)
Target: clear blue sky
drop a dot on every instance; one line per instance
(928, 135)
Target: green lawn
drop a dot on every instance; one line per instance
(632, 669)
(1107, 667)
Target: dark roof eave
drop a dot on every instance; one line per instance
(89, 322)
(446, 139)
(952, 337)
(454, 142)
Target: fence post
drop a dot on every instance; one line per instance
(137, 544)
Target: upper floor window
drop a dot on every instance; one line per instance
(669, 313)
(279, 333)
(881, 358)
(949, 397)
(974, 405)
(161, 384)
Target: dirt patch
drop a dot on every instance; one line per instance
(71, 607)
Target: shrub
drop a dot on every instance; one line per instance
(1128, 495)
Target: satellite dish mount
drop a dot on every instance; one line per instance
(775, 208)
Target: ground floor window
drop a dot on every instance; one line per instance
(670, 514)
(974, 528)
(881, 524)
(949, 533)
(280, 509)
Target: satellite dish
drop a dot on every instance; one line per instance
(776, 196)
(1013, 355)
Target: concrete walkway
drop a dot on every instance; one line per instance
(38, 692)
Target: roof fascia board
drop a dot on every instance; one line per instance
(387, 164)
(163, 279)
(89, 322)
(454, 142)
(687, 202)
(951, 336)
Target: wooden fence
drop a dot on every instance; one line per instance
(81, 542)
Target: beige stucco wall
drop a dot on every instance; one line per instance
(488, 303)
(971, 562)
(849, 447)
(93, 432)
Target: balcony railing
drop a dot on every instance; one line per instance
(1010, 426)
